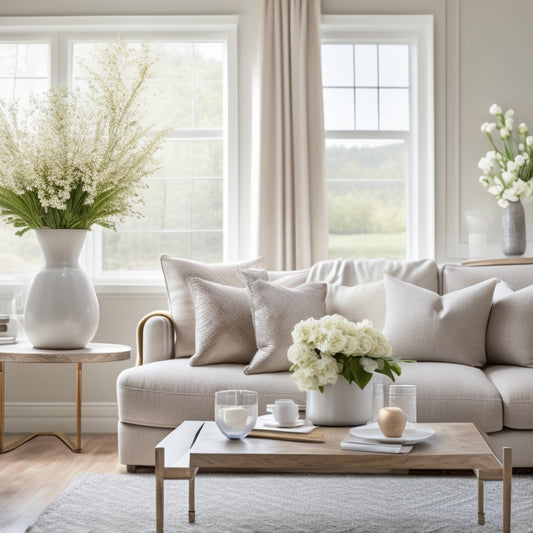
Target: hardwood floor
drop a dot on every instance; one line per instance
(33, 475)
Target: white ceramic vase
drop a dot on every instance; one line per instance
(61, 309)
(342, 404)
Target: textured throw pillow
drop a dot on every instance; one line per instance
(358, 302)
(276, 310)
(510, 327)
(425, 326)
(224, 326)
(176, 272)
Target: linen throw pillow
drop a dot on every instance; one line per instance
(176, 273)
(224, 326)
(276, 310)
(510, 327)
(358, 302)
(422, 325)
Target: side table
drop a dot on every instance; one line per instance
(24, 352)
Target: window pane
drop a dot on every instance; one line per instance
(183, 209)
(337, 65)
(393, 65)
(366, 65)
(24, 69)
(366, 196)
(394, 109)
(338, 109)
(366, 109)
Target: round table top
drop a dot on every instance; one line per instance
(95, 352)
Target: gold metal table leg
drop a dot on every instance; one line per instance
(12, 446)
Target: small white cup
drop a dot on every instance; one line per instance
(285, 412)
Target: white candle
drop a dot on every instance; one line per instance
(235, 417)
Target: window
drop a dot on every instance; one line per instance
(187, 204)
(377, 85)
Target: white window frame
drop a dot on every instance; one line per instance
(417, 31)
(61, 32)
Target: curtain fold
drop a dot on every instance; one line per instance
(292, 225)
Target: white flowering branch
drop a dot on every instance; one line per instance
(73, 158)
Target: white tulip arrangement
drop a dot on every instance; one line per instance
(507, 168)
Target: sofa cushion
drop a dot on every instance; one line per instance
(276, 310)
(455, 277)
(510, 327)
(165, 393)
(224, 326)
(176, 272)
(425, 326)
(515, 386)
(448, 392)
(349, 272)
(365, 301)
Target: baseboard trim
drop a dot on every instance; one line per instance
(27, 417)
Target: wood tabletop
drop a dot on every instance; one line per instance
(452, 446)
(499, 262)
(94, 352)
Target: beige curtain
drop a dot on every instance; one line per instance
(292, 190)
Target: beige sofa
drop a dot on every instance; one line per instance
(473, 342)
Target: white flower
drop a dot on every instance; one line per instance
(509, 114)
(322, 347)
(529, 140)
(509, 195)
(488, 127)
(509, 122)
(503, 203)
(504, 133)
(519, 160)
(522, 129)
(495, 109)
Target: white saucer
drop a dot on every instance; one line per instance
(274, 424)
(412, 434)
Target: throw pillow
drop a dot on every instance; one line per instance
(176, 272)
(276, 310)
(510, 327)
(224, 326)
(422, 325)
(358, 302)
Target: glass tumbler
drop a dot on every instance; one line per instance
(404, 396)
(235, 412)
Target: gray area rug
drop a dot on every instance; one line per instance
(287, 503)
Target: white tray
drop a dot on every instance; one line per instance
(412, 434)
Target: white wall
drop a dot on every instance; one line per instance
(482, 50)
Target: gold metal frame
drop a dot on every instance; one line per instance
(75, 447)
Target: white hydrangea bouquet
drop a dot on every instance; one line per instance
(74, 158)
(507, 168)
(331, 346)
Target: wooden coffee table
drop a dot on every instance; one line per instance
(200, 445)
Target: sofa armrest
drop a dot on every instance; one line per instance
(155, 337)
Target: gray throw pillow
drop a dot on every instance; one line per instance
(276, 310)
(425, 326)
(510, 327)
(176, 272)
(224, 326)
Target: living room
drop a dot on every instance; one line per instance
(477, 57)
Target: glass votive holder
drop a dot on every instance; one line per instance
(235, 412)
(394, 395)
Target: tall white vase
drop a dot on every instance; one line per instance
(61, 309)
(342, 404)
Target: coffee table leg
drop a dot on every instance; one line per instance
(192, 515)
(480, 510)
(159, 489)
(507, 477)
